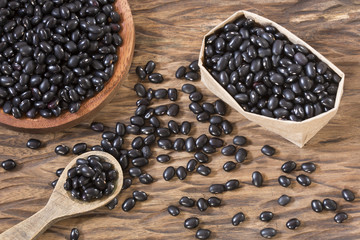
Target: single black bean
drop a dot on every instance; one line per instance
(8, 164)
(140, 90)
(201, 141)
(229, 166)
(202, 204)
(173, 211)
(284, 200)
(288, 166)
(79, 148)
(257, 179)
(126, 183)
(141, 72)
(217, 188)
(188, 88)
(227, 127)
(160, 93)
(329, 204)
(268, 150)
(216, 142)
(216, 120)
(316, 205)
(239, 140)
(33, 143)
(74, 234)
(195, 96)
(165, 143)
(293, 223)
(303, 180)
(146, 178)
(190, 145)
(180, 72)
(284, 181)
(240, 155)
(169, 173)
(268, 232)
(181, 173)
(135, 172)
(191, 165)
(203, 170)
(266, 216)
(220, 107)
(340, 217)
(191, 223)
(155, 78)
(348, 195)
(214, 130)
(228, 150)
(214, 202)
(173, 110)
(62, 150)
(207, 148)
(187, 202)
(128, 204)
(308, 167)
(140, 196)
(203, 117)
(201, 157)
(238, 218)
(112, 204)
(232, 184)
(172, 94)
(97, 126)
(203, 234)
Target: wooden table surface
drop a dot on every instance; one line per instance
(170, 33)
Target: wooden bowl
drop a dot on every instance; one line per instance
(90, 106)
(296, 132)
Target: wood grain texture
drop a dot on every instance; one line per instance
(92, 105)
(170, 33)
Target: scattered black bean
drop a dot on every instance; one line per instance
(112, 204)
(181, 173)
(172, 94)
(228, 150)
(173, 211)
(97, 126)
(192, 76)
(59, 171)
(191, 223)
(232, 185)
(203, 234)
(303, 180)
(187, 202)
(293, 223)
(284, 181)
(203, 170)
(257, 179)
(238, 218)
(268, 232)
(194, 66)
(240, 155)
(79, 148)
(267, 150)
(284, 200)
(217, 188)
(140, 196)
(201, 157)
(8, 164)
(308, 167)
(62, 150)
(348, 195)
(329, 204)
(33, 143)
(202, 204)
(146, 178)
(185, 127)
(141, 72)
(180, 73)
(188, 88)
(340, 217)
(239, 140)
(126, 183)
(128, 204)
(229, 166)
(214, 202)
(288, 167)
(317, 205)
(74, 234)
(266, 216)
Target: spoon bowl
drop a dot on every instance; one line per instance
(62, 205)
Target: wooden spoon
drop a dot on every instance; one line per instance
(62, 205)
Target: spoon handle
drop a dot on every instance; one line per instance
(33, 226)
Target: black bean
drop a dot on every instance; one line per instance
(53, 183)
(188, 88)
(172, 94)
(128, 204)
(348, 195)
(232, 184)
(220, 107)
(284, 181)
(266, 216)
(112, 204)
(179, 144)
(201, 141)
(140, 162)
(8, 164)
(191, 223)
(257, 179)
(195, 107)
(201, 157)
(160, 93)
(74, 234)
(146, 178)
(214, 130)
(194, 66)
(190, 145)
(216, 142)
(33, 143)
(239, 140)
(135, 172)
(303, 180)
(192, 76)
(173, 110)
(240, 155)
(217, 188)
(187, 202)
(214, 202)
(284, 200)
(229, 166)
(317, 205)
(140, 196)
(227, 127)
(268, 232)
(191, 165)
(228, 150)
(329, 204)
(203, 234)
(216, 119)
(79, 148)
(126, 183)
(207, 148)
(340, 217)
(173, 211)
(181, 173)
(150, 67)
(180, 73)
(195, 96)
(268, 150)
(238, 218)
(155, 78)
(293, 223)
(308, 167)
(203, 170)
(202, 204)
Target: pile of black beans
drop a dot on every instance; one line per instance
(91, 178)
(267, 74)
(55, 54)
(145, 121)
